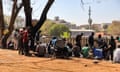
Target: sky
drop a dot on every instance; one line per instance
(102, 11)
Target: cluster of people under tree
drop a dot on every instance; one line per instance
(25, 42)
(60, 48)
(22, 40)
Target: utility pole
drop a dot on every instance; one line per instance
(89, 19)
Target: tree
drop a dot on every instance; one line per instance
(42, 19)
(15, 10)
(58, 30)
(46, 26)
(27, 11)
(105, 27)
(1, 19)
(114, 28)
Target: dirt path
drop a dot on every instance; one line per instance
(10, 61)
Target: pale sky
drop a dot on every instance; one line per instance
(103, 11)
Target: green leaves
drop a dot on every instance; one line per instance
(114, 28)
(58, 30)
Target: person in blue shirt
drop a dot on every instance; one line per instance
(51, 44)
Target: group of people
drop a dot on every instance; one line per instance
(95, 47)
(26, 43)
(60, 47)
(99, 47)
(22, 37)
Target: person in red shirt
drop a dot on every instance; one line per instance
(25, 42)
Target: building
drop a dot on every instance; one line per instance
(75, 32)
(68, 24)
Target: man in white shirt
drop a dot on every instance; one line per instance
(116, 57)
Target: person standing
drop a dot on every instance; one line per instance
(20, 42)
(37, 36)
(100, 41)
(116, 57)
(78, 40)
(77, 48)
(105, 49)
(25, 42)
(112, 46)
(91, 40)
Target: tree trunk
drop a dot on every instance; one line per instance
(15, 11)
(28, 19)
(28, 10)
(1, 20)
(28, 13)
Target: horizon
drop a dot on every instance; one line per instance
(71, 22)
(102, 11)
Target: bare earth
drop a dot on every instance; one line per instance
(10, 61)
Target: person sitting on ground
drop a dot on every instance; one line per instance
(53, 41)
(69, 47)
(10, 44)
(40, 49)
(85, 51)
(51, 45)
(116, 55)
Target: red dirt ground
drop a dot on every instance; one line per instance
(10, 61)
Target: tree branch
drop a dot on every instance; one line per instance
(43, 15)
(15, 11)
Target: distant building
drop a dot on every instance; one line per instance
(75, 32)
(96, 27)
(68, 24)
(86, 26)
(56, 18)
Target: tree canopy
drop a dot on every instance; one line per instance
(46, 26)
(58, 30)
(114, 28)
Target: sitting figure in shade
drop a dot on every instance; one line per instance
(116, 56)
(85, 51)
(10, 44)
